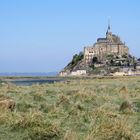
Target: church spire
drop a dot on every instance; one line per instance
(108, 28)
(108, 25)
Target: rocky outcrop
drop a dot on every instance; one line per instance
(112, 65)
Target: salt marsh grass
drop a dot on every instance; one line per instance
(83, 109)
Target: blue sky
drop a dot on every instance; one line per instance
(43, 35)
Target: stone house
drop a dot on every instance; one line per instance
(78, 73)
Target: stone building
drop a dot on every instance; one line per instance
(78, 73)
(111, 44)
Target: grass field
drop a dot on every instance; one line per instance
(82, 109)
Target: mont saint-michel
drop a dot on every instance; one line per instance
(107, 56)
(111, 44)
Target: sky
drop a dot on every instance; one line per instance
(43, 35)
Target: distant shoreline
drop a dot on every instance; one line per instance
(20, 78)
(12, 78)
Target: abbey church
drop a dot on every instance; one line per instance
(111, 44)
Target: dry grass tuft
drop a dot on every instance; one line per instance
(126, 106)
(70, 135)
(112, 129)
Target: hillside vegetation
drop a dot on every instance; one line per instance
(80, 109)
(77, 58)
(109, 64)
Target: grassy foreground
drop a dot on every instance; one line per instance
(88, 109)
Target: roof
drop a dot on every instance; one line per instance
(101, 40)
